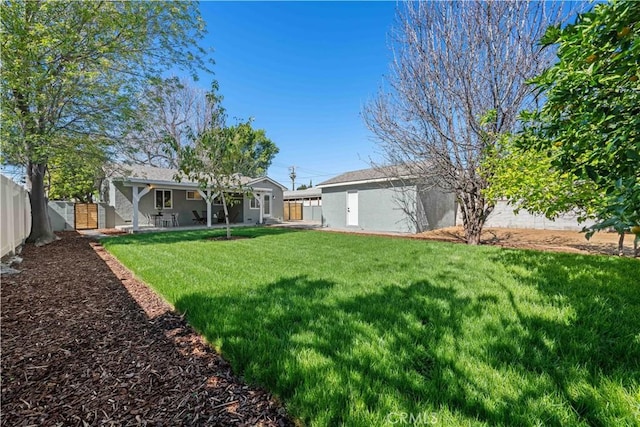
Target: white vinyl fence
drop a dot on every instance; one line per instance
(15, 215)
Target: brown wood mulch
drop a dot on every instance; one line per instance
(85, 343)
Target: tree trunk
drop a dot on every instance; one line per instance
(621, 244)
(636, 241)
(226, 214)
(473, 231)
(41, 230)
(474, 210)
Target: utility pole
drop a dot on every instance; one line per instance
(292, 175)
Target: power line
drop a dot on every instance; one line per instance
(311, 173)
(292, 175)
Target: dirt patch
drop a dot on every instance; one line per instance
(86, 344)
(604, 243)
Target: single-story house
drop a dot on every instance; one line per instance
(146, 195)
(369, 199)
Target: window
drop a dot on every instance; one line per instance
(164, 199)
(255, 203)
(193, 195)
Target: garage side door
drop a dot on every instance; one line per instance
(352, 208)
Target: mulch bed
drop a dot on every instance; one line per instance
(84, 343)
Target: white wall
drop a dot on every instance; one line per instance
(15, 215)
(503, 216)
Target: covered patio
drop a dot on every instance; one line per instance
(163, 216)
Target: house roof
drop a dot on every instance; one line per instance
(150, 173)
(165, 176)
(362, 176)
(266, 178)
(302, 194)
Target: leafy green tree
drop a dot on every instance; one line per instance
(72, 68)
(77, 173)
(220, 156)
(305, 186)
(589, 124)
(528, 180)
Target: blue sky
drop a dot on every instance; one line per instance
(303, 71)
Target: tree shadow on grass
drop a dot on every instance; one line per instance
(603, 294)
(167, 237)
(482, 355)
(592, 354)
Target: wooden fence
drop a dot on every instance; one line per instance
(292, 211)
(15, 215)
(86, 216)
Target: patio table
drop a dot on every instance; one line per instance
(160, 220)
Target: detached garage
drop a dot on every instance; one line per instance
(370, 200)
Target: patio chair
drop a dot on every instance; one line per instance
(198, 219)
(174, 220)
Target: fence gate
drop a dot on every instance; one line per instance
(292, 211)
(86, 216)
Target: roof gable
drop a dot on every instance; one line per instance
(266, 178)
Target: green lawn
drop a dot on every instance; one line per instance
(368, 331)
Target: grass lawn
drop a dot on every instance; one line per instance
(369, 331)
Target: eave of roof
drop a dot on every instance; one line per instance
(366, 176)
(297, 194)
(131, 181)
(148, 175)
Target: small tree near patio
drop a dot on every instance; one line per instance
(221, 155)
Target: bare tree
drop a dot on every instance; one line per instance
(457, 83)
(169, 110)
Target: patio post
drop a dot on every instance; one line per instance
(136, 198)
(258, 197)
(209, 200)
